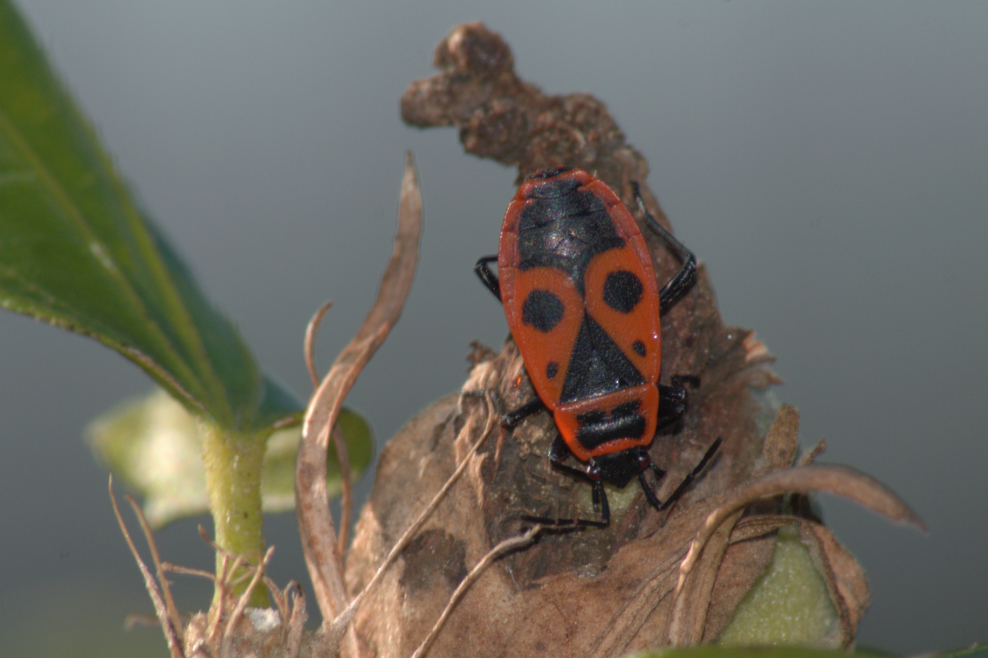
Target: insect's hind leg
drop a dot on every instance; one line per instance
(511, 418)
(688, 480)
(674, 400)
(558, 452)
(685, 278)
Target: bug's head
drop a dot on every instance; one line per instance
(618, 468)
(549, 173)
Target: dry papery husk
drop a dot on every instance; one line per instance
(650, 579)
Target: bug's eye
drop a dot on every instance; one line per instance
(622, 291)
(542, 310)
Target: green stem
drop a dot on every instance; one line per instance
(233, 479)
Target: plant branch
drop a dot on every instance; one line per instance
(233, 479)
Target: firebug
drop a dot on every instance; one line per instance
(582, 303)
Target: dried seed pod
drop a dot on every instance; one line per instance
(650, 579)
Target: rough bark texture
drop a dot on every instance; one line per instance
(579, 593)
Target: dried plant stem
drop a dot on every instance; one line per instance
(242, 602)
(319, 542)
(346, 491)
(309, 346)
(505, 546)
(296, 623)
(838, 480)
(168, 626)
(187, 571)
(342, 454)
(159, 567)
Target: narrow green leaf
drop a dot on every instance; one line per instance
(716, 651)
(155, 446)
(77, 251)
(976, 651)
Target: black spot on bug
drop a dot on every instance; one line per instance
(638, 347)
(626, 408)
(598, 427)
(622, 291)
(542, 310)
(603, 366)
(552, 370)
(595, 417)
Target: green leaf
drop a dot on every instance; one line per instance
(977, 651)
(155, 446)
(715, 651)
(78, 252)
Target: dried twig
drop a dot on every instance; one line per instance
(322, 552)
(171, 631)
(296, 623)
(165, 589)
(238, 611)
(280, 597)
(188, 571)
(810, 457)
(505, 546)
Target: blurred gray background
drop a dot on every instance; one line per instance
(828, 162)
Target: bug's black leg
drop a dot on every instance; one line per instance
(684, 279)
(605, 508)
(512, 418)
(557, 453)
(672, 405)
(687, 481)
(649, 493)
(645, 464)
(674, 400)
(487, 277)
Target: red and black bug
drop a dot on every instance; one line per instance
(579, 291)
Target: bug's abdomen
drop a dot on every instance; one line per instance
(607, 424)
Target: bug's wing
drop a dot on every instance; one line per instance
(544, 311)
(623, 300)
